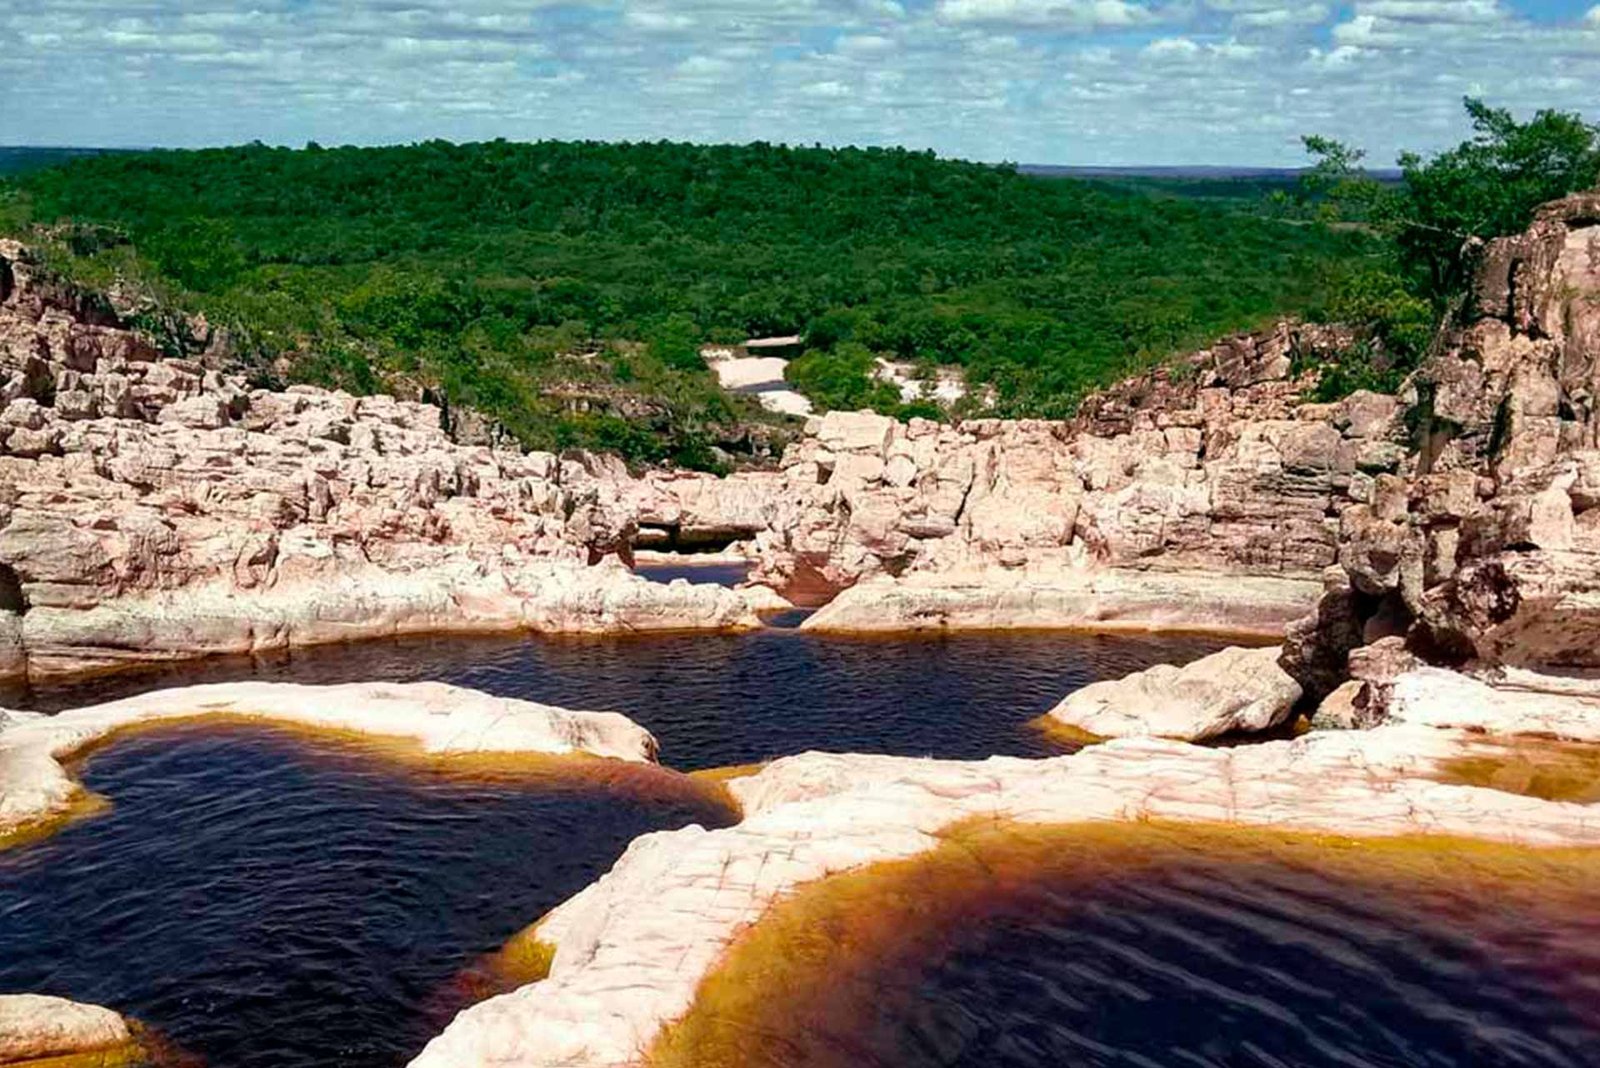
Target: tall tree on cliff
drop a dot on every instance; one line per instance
(1447, 205)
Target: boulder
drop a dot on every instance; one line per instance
(1234, 691)
(34, 1027)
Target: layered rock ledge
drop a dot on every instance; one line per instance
(158, 506)
(630, 952)
(1079, 596)
(36, 791)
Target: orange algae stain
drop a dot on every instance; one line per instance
(815, 962)
(84, 805)
(524, 959)
(1533, 767)
(719, 778)
(1070, 738)
(726, 774)
(650, 783)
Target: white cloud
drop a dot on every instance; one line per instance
(1075, 14)
(1094, 81)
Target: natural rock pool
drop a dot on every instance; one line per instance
(1160, 944)
(265, 899)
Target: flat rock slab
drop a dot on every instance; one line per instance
(1071, 598)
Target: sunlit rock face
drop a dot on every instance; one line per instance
(154, 507)
(1234, 691)
(34, 1028)
(1215, 467)
(1483, 546)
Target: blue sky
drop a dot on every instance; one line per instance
(1049, 81)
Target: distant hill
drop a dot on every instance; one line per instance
(17, 159)
(1206, 173)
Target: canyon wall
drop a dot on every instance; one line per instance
(158, 505)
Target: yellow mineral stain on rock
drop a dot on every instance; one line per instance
(1533, 767)
(522, 960)
(84, 805)
(1068, 737)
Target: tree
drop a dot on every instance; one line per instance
(1488, 186)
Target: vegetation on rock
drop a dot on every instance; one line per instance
(1433, 222)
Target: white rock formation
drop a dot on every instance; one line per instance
(762, 378)
(1235, 690)
(437, 718)
(34, 1027)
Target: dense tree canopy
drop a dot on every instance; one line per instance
(477, 268)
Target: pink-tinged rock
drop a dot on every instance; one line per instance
(1234, 691)
(34, 1028)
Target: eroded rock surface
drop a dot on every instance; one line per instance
(1216, 468)
(1234, 691)
(1216, 465)
(1483, 544)
(34, 1027)
(156, 506)
(437, 719)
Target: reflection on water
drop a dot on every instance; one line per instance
(269, 901)
(715, 700)
(1132, 945)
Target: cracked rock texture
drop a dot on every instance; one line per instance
(1484, 544)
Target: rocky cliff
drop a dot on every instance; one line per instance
(155, 506)
(1142, 512)
(1483, 546)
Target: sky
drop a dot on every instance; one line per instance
(1227, 82)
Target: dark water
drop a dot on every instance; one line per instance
(1268, 965)
(273, 903)
(268, 901)
(710, 574)
(715, 700)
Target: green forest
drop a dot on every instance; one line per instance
(477, 269)
(516, 277)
